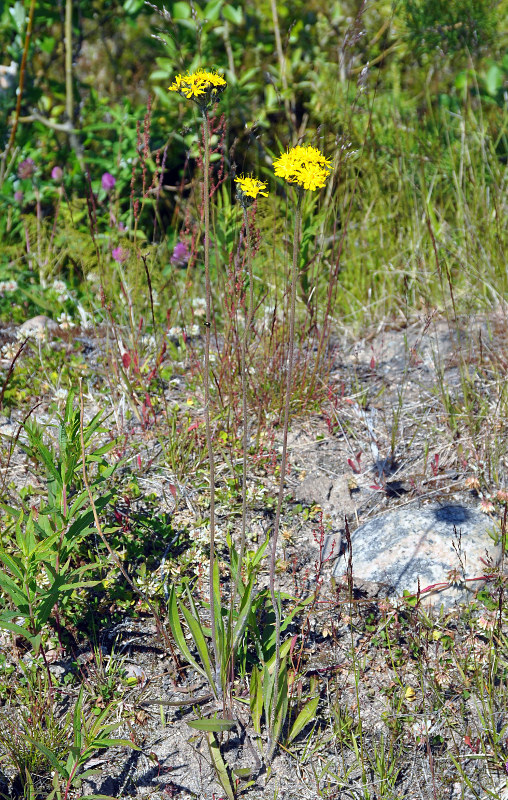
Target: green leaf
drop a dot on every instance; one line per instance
(98, 797)
(181, 10)
(244, 773)
(53, 760)
(30, 795)
(287, 618)
(219, 622)
(15, 592)
(86, 519)
(284, 650)
(77, 722)
(17, 13)
(47, 44)
(97, 743)
(14, 564)
(268, 685)
(11, 626)
(282, 703)
(132, 7)
(243, 612)
(213, 725)
(245, 77)
(260, 551)
(161, 75)
(176, 629)
(304, 717)
(494, 80)
(38, 448)
(200, 642)
(212, 10)
(220, 766)
(233, 15)
(256, 699)
(73, 759)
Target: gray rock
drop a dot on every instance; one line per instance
(335, 500)
(435, 544)
(331, 493)
(37, 327)
(60, 668)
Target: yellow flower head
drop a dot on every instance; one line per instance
(304, 165)
(202, 86)
(248, 188)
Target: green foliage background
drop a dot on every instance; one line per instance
(408, 98)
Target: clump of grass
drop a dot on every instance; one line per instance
(35, 720)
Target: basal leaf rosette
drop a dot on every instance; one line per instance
(202, 86)
(304, 165)
(248, 189)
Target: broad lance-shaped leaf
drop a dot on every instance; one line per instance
(219, 622)
(34, 639)
(98, 743)
(76, 720)
(304, 717)
(97, 796)
(232, 14)
(204, 630)
(281, 708)
(14, 564)
(212, 724)
(176, 629)
(86, 519)
(243, 612)
(38, 450)
(268, 692)
(256, 699)
(284, 650)
(53, 760)
(16, 594)
(244, 773)
(260, 553)
(199, 641)
(220, 766)
(286, 618)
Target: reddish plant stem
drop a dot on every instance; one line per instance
(209, 444)
(272, 743)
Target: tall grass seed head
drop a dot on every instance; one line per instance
(202, 86)
(304, 165)
(248, 188)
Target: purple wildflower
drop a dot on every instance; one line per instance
(180, 255)
(108, 181)
(119, 254)
(26, 169)
(18, 196)
(57, 173)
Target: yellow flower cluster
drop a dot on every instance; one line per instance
(304, 165)
(249, 187)
(202, 86)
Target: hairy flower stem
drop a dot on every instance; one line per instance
(69, 99)
(249, 311)
(208, 325)
(272, 740)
